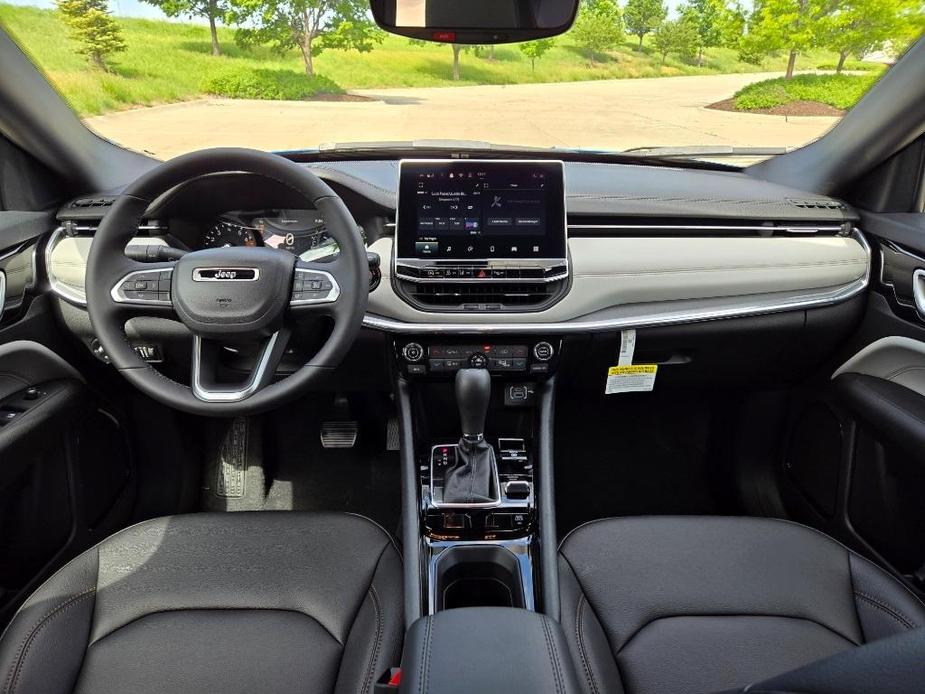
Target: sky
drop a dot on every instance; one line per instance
(122, 8)
(137, 8)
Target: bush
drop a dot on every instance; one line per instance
(268, 84)
(840, 91)
(853, 65)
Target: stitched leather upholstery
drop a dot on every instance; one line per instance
(686, 604)
(486, 649)
(235, 602)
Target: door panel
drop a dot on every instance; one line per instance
(855, 463)
(66, 472)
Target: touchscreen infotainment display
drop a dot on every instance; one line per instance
(475, 210)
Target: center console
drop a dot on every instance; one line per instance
(480, 235)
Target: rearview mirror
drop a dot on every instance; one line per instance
(475, 21)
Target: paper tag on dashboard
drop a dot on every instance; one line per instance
(627, 347)
(631, 378)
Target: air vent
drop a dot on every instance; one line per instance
(81, 203)
(500, 296)
(148, 227)
(817, 204)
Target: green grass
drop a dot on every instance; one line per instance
(840, 91)
(168, 61)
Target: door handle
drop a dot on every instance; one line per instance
(918, 291)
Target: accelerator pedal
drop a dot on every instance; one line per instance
(230, 482)
(392, 435)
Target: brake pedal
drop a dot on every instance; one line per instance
(340, 434)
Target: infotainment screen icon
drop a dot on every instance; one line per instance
(502, 215)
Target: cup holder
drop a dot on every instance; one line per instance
(478, 576)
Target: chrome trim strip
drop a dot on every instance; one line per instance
(328, 298)
(2, 292)
(252, 385)
(890, 285)
(495, 502)
(811, 299)
(119, 297)
(67, 293)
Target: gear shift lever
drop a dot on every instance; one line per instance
(473, 390)
(472, 478)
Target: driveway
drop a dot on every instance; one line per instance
(607, 114)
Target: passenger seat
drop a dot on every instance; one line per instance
(704, 604)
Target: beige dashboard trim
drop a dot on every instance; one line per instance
(66, 263)
(617, 283)
(621, 283)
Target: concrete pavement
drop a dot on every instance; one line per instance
(606, 114)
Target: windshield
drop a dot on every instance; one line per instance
(699, 78)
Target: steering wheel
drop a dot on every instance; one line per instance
(226, 295)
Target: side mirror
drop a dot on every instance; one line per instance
(475, 21)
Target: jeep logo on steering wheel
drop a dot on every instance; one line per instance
(222, 274)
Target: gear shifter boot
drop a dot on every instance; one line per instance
(470, 481)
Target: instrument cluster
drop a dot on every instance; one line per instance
(300, 232)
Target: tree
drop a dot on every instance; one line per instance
(732, 22)
(90, 24)
(598, 27)
(859, 27)
(643, 16)
(309, 25)
(791, 25)
(213, 10)
(705, 17)
(536, 49)
(676, 36)
(457, 49)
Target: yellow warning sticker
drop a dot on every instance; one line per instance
(631, 378)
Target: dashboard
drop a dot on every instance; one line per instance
(300, 232)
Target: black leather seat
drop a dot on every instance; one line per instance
(688, 604)
(234, 602)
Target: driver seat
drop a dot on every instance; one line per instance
(233, 602)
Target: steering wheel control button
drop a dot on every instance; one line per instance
(313, 287)
(413, 352)
(144, 287)
(150, 353)
(543, 351)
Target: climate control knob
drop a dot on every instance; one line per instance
(478, 361)
(413, 352)
(543, 351)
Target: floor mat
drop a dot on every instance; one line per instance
(287, 468)
(638, 454)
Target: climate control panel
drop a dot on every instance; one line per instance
(439, 358)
